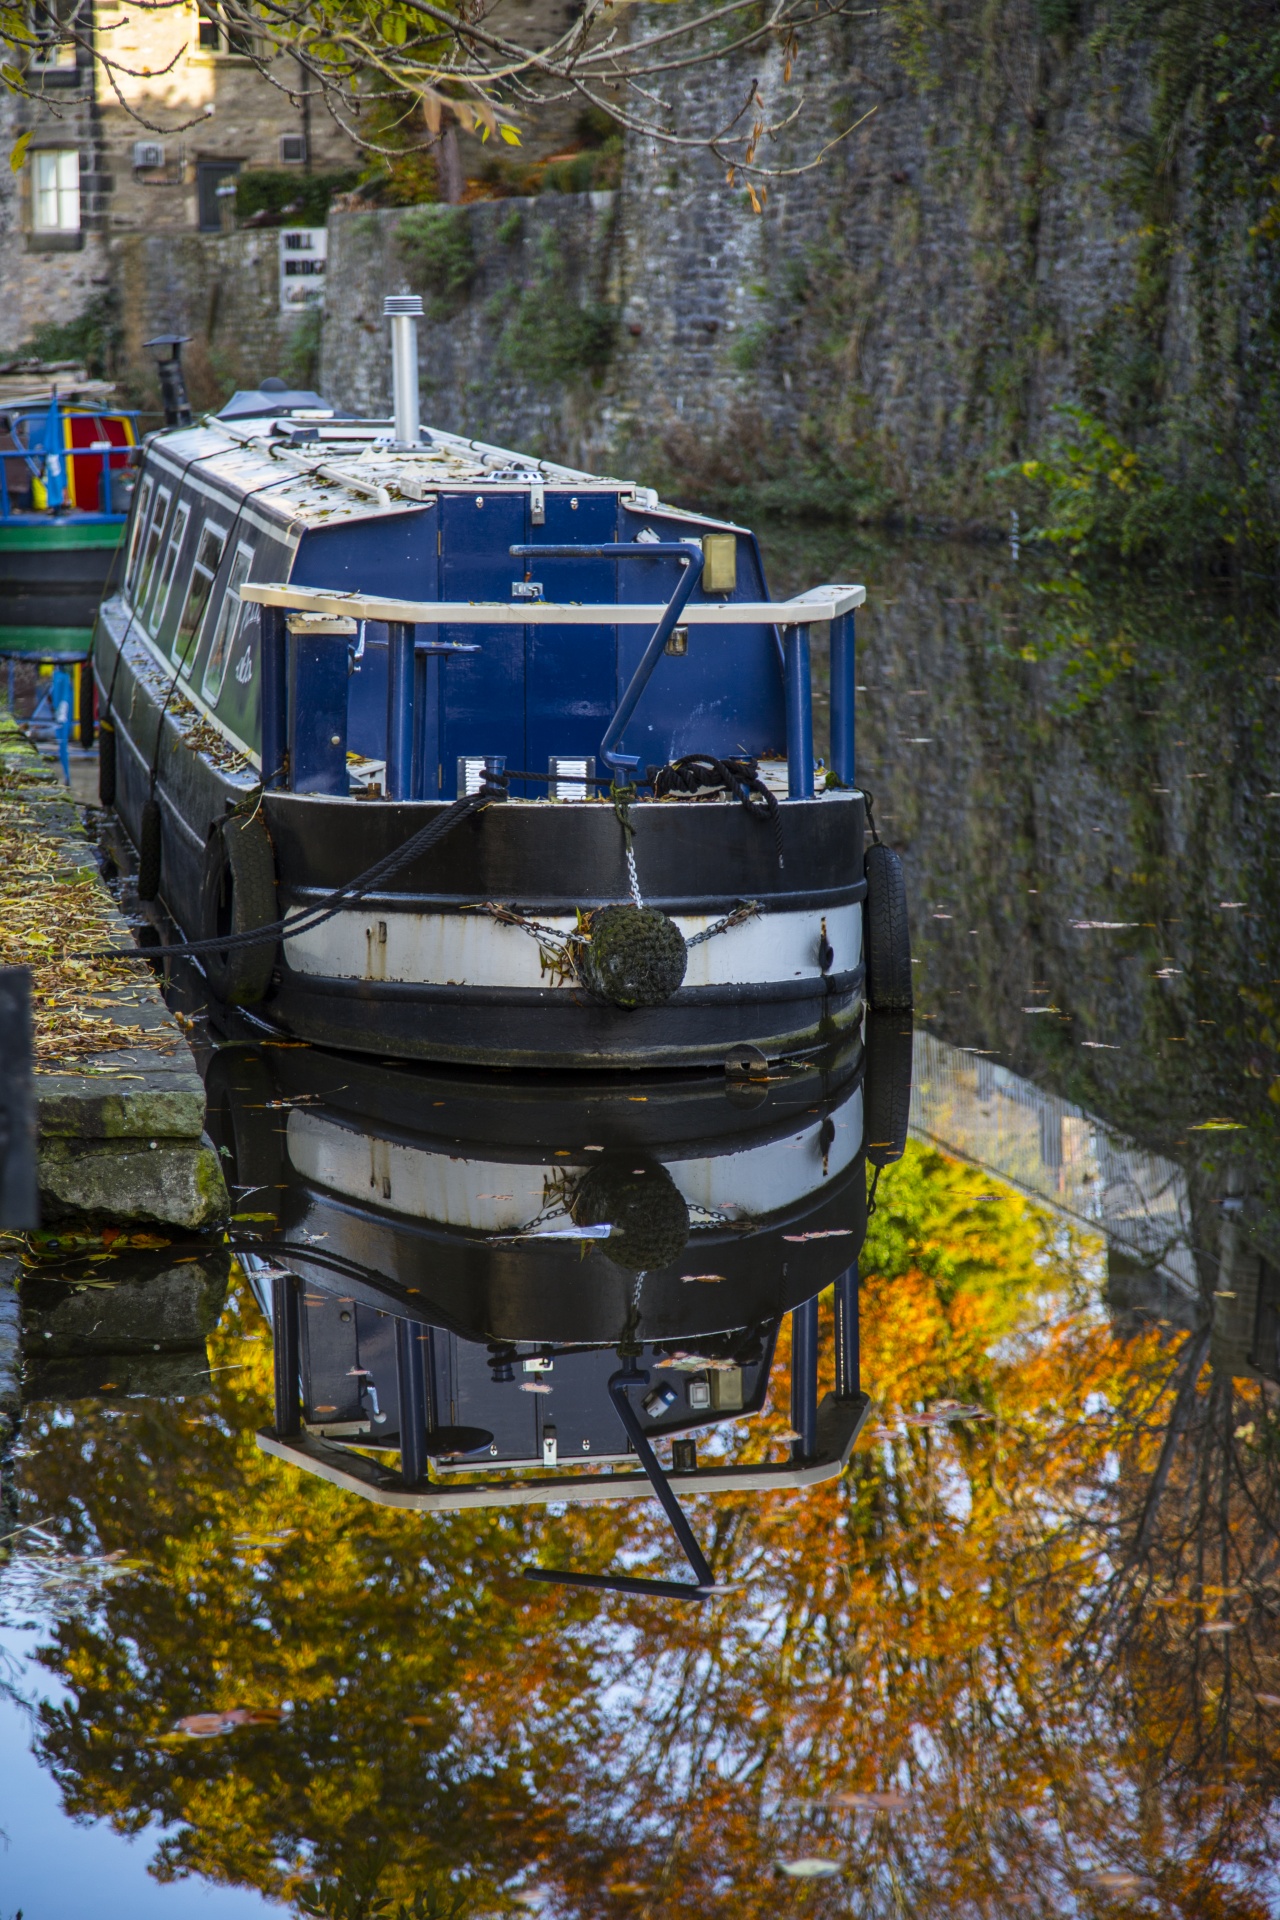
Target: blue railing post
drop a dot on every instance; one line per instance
(400, 676)
(842, 699)
(848, 1355)
(274, 696)
(411, 1378)
(804, 1379)
(799, 715)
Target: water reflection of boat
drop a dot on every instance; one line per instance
(486, 1280)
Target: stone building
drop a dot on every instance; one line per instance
(139, 118)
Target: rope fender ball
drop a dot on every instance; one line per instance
(635, 957)
(647, 1211)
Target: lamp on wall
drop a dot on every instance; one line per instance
(173, 387)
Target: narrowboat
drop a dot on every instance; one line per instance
(65, 479)
(495, 1291)
(434, 750)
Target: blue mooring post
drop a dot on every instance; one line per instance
(400, 674)
(848, 1356)
(286, 1337)
(804, 1379)
(842, 696)
(799, 715)
(411, 1349)
(274, 696)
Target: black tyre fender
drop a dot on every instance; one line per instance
(886, 935)
(886, 1086)
(239, 895)
(150, 850)
(245, 1124)
(107, 764)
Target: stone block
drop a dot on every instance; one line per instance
(176, 1182)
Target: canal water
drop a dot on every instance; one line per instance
(1022, 1656)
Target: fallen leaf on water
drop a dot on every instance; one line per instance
(622, 1888)
(810, 1869)
(887, 1802)
(207, 1726)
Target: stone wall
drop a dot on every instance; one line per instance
(895, 323)
(49, 279)
(895, 326)
(521, 298)
(221, 289)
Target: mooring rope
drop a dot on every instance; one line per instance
(329, 904)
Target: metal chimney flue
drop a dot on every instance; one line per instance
(404, 310)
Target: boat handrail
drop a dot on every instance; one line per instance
(310, 469)
(802, 610)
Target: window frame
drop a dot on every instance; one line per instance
(232, 619)
(145, 492)
(150, 554)
(209, 529)
(60, 192)
(167, 572)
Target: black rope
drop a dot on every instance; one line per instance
(703, 773)
(869, 802)
(330, 903)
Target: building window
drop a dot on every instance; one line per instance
(293, 146)
(55, 191)
(53, 26)
(220, 31)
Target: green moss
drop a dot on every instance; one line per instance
(436, 246)
(302, 355)
(89, 339)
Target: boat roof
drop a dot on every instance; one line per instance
(313, 465)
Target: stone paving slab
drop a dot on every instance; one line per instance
(120, 1130)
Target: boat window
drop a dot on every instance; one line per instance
(164, 579)
(135, 537)
(151, 546)
(230, 621)
(204, 569)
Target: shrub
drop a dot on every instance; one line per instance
(436, 246)
(289, 199)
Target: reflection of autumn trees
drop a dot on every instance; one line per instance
(993, 1623)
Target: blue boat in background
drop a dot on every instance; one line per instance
(436, 750)
(66, 475)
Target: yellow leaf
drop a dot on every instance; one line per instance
(510, 135)
(18, 152)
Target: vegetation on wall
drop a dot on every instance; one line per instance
(436, 247)
(89, 340)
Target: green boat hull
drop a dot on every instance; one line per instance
(53, 576)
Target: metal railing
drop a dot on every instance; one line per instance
(414, 663)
